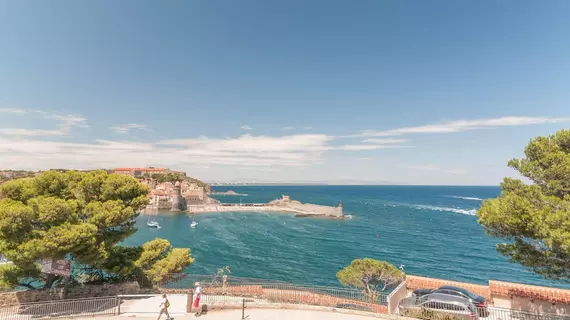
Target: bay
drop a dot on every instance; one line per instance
(431, 230)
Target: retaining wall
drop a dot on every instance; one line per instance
(90, 291)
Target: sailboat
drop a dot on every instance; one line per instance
(152, 223)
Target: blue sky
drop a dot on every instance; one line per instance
(415, 92)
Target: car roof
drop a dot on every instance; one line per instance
(464, 291)
(446, 298)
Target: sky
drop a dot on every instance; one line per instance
(369, 91)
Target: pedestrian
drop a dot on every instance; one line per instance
(198, 292)
(164, 304)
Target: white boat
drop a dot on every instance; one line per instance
(152, 223)
(194, 223)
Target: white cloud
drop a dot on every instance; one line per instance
(463, 125)
(262, 152)
(364, 158)
(68, 121)
(360, 147)
(385, 141)
(308, 128)
(246, 127)
(64, 123)
(288, 128)
(430, 167)
(126, 128)
(13, 110)
(31, 132)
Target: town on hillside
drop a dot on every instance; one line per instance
(170, 189)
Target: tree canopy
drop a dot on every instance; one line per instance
(80, 216)
(370, 276)
(535, 218)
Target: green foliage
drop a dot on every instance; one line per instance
(422, 313)
(370, 276)
(167, 177)
(173, 177)
(81, 216)
(535, 218)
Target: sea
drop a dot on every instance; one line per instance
(429, 231)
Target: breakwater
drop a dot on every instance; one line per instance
(285, 204)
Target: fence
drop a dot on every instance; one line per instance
(446, 307)
(62, 309)
(225, 291)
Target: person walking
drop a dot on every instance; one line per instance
(198, 294)
(164, 304)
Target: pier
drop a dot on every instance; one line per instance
(285, 204)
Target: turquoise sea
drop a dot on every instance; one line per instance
(431, 230)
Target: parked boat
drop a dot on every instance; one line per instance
(152, 223)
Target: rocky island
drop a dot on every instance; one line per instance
(228, 193)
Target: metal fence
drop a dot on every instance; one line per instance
(447, 307)
(61, 309)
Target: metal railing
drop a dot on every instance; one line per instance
(263, 294)
(186, 281)
(218, 289)
(447, 307)
(61, 309)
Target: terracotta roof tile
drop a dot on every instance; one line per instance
(415, 282)
(553, 295)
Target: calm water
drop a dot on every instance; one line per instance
(432, 231)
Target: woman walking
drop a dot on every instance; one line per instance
(164, 304)
(198, 294)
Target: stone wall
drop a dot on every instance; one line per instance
(90, 291)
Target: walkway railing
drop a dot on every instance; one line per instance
(219, 291)
(61, 309)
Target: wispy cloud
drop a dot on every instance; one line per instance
(361, 147)
(364, 158)
(385, 141)
(31, 132)
(288, 128)
(64, 123)
(246, 127)
(13, 110)
(430, 167)
(129, 127)
(464, 125)
(308, 128)
(261, 152)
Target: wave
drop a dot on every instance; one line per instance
(470, 212)
(466, 198)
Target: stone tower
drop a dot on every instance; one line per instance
(177, 199)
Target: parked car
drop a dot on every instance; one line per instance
(437, 306)
(476, 300)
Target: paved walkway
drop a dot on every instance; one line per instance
(253, 314)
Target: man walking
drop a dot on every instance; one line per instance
(164, 304)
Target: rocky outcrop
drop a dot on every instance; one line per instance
(308, 209)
